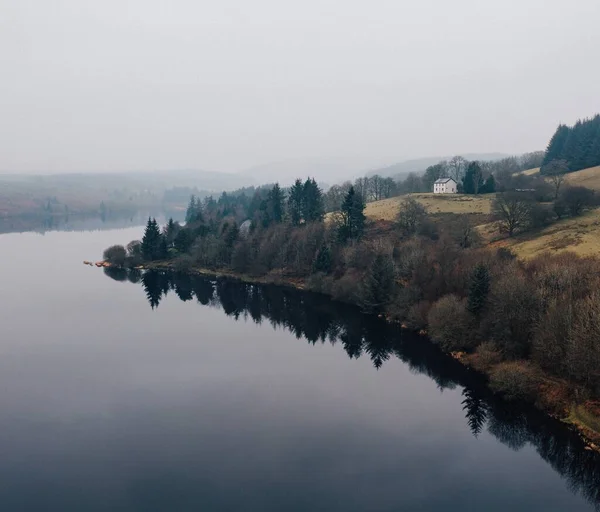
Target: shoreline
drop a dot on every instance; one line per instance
(568, 412)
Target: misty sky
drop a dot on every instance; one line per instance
(228, 84)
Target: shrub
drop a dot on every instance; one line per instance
(488, 355)
(183, 263)
(115, 255)
(450, 324)
(417, 315)
(577, 199)
(411, 215)
(514, 380)
(347, 288)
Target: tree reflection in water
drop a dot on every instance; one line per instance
(317, 319)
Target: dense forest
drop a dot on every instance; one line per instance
(578, 146)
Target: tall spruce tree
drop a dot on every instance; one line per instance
(295, 203)
(276, 201)
(153, 243)
(473, 179)
(352, 217)
(313, 208)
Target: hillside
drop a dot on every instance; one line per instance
(387, 209)
(589, 178)
(580, 235)
(418, 165)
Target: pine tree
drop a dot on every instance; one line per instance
(352, 217)
(275, 204)
(555, 147)
(473, 179)
(479, 289)
(489, 187)
(313, 209)
(153, 243)
(194, 211)
(295, 203)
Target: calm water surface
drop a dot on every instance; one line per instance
(164, 393)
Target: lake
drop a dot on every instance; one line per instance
(157, 392)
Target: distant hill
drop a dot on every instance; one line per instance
(324, 170)
(401, 169)
(116, 191)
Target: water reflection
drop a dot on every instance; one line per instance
(44, 223)
(319, 320)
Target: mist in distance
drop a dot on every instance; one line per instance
(232, 85)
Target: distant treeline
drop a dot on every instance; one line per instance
(472, 177)
(578, 146)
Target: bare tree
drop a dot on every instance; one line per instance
(577, 199)
(456, 168)
(411, 215)
(511, 210)
(556, 171)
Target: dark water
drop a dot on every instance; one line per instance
(232, 397)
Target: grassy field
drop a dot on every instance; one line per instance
(589, 178)
(387, 209)
(580, 235)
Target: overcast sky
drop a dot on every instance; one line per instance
(228, 84)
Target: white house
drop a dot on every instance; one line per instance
(444, 186)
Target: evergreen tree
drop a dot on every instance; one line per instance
(313, 208)
(170, 231)
(578, 145)
(555, 147)
(296, 202)
(489, 187)
(378, 286)
(352, 217)
(153, 243)
(194, 211)
(479, 289)
(473, 179)
(276, 201)
(184, 240)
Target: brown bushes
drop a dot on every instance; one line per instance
(450, 324)
(515, 380)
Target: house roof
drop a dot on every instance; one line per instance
(444, 180)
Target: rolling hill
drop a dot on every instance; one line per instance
(580, 234)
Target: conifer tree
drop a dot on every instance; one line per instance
(473, 179)
(313, 209)
(275, 204)
(153, 243)
(295, 203)
(555, 146)
(352, 217)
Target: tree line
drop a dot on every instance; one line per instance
(578, 146)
